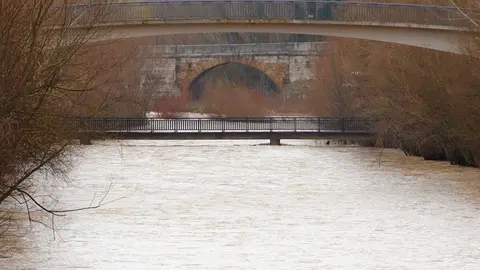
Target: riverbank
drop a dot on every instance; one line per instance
(452, 154)
(427, 152)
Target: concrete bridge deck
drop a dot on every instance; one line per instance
(436, 27)
(268, 128)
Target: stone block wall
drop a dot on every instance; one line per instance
(177, 73)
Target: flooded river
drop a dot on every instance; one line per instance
(242, 205)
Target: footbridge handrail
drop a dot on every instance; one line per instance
(227, 124)
(265, 11)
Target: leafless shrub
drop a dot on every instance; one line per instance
(426, 101)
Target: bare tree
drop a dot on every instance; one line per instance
(45, 72)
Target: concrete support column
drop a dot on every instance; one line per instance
(274, 141)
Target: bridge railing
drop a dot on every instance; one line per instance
(268, 124)
(274, 10)
(290, 48)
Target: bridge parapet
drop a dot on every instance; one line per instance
(251, 49)
(266, 11)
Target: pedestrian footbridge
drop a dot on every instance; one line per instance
(226, 128)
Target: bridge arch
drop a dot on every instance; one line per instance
(189, 74)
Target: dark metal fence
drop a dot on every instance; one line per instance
(271, 10)
(267, 124)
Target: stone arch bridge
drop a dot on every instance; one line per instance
(177, 66)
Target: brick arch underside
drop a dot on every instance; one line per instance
(276, 72)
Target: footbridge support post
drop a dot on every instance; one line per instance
(85, 139)
(274, 141)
